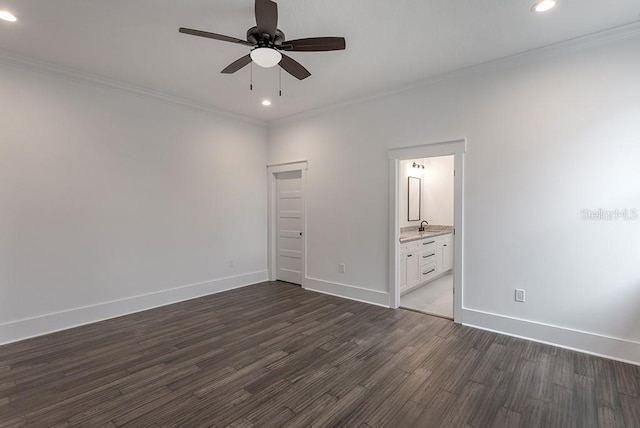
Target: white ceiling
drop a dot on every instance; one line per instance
(390, 44)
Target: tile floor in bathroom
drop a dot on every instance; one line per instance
(435, 298)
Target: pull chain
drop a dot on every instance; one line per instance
(280, 82)
(251, 74)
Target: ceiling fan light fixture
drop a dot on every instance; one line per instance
(543, 5)
(7, 16)
(266, 57)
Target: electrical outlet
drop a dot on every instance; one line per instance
(230, 263)
(520, 295)
(342, 268)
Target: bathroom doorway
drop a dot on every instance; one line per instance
(426, 235)
(428, 261)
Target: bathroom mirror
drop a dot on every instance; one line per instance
(415, 196)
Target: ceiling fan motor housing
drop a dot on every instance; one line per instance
(264, 40)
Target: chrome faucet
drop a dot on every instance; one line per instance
(422, 228)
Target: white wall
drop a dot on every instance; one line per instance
(547, 137)
(406, 171)
(438, 191)
(106, 195)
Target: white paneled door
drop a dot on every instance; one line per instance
(289, 211)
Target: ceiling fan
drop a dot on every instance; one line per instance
(268, 42)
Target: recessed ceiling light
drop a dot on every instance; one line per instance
(7, 16)
(266, 103)
(544, 5)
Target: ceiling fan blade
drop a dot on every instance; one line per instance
(294, 68)
(267, 17)
(214, 36)
(315, 44)
(237, 65)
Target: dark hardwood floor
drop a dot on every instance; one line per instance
(275, 355)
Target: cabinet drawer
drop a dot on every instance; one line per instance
(427, 271)
(428, 244)
(427, 256)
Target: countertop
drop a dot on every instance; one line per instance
(414, 235)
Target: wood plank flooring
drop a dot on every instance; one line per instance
(275, 355)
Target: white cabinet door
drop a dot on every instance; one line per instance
(447, 256)
(444, 253)
(403, 272)
(413, 269)
(440, 258)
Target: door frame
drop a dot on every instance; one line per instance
(457, 148)
(272, 216)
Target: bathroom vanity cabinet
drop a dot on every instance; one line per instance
(422, 260)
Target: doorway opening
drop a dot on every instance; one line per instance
(428, 261)
(287, 226)
(426, 235)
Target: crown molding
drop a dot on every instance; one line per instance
(576, 44)
(592, 40)
(57, 70)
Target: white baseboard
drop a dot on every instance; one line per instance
(614, 348)
(379, 298)
(23, 329)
